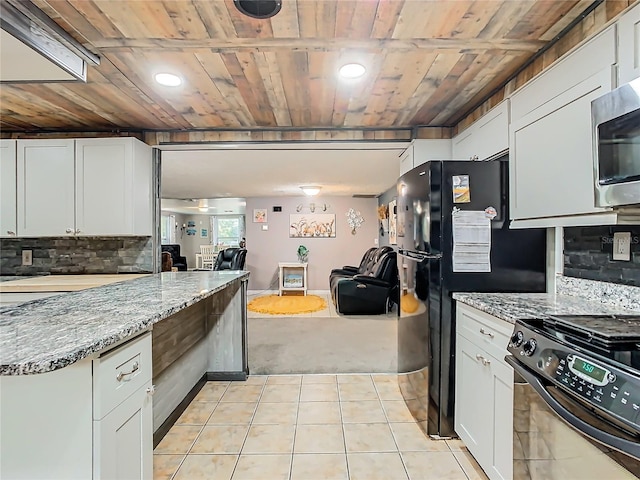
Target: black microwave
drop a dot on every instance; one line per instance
(616, 141)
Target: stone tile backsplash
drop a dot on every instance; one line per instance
(77, 255)
(588, 254)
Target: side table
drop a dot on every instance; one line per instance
(292, 277)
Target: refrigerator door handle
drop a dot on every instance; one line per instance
(419, 256)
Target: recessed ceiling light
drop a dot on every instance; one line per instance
(352, 70)
(168, 79)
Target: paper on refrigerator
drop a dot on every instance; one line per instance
(471, 241)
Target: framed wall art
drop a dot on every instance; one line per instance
(320, 225)
(259, 215)
(392, 223)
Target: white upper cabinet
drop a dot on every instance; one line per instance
(487, 137)
(422, 150)
(551, 157)
(406, 160)
(629, 46)
(7, 188)
(46, 191)
(93, 186)
(113, 187)
(431, 149)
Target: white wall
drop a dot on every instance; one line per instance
(266, 248)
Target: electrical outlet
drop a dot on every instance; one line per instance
(27, 257)
(622, 246)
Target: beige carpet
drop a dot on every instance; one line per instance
(287, 345)
(287, 305)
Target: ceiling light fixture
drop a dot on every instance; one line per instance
(352, 70)
(310, 190)
(168, 79)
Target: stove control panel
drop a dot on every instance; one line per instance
(600, 384)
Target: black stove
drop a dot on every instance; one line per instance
(594, 359)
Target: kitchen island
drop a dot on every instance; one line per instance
(76, 371)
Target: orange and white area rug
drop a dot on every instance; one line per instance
(287, 304)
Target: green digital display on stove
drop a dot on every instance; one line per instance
(589, 369)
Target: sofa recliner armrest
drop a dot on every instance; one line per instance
(367, 280)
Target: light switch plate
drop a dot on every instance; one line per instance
(622, 246)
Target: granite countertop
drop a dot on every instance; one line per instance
(51, 333)
(63, 283)
(572, 297)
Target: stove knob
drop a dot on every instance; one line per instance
(517, 338)
(529, 347)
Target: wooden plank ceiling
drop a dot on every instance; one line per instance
(428, 62)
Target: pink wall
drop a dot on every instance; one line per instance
(266, 248)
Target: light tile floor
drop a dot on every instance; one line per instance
(306, 427)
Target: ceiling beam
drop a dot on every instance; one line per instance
(320, 44)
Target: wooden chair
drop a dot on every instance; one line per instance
(208, 256)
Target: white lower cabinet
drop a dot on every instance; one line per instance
(123, 446)
(123, 417)
(81, 422)
(484, 391)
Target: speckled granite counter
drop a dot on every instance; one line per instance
(51, 333)
(573, 297)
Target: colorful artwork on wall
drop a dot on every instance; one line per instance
(259, 215)
(321, 225)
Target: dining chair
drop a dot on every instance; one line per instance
(208, 256)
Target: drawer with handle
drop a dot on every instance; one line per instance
(484, 329)
(119, 373)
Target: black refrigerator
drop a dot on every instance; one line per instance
(441, 251)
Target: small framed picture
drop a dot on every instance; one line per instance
(259, 215)
(204, 233)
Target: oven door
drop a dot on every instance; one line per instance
(545, 446)
(616, 146)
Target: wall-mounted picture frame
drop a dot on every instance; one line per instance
(191, 223)
(204, 233)
(392, 223)
(259, 215)
(319, 225)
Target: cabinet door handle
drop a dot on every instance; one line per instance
(151, 390)
(482, 359)
(69, 230)
(484, 332)
(77, 230)
(121, 375)
(11, 232)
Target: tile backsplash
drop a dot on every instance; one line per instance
(588, 253)
(77, 255)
